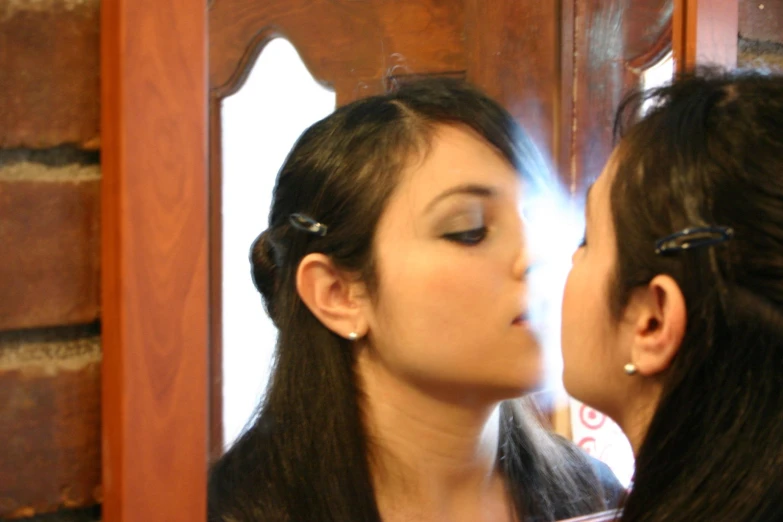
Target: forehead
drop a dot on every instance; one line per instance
(456, 155)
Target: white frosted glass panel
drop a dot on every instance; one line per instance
(260, 123)
(658, 75)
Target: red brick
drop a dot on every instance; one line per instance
(50, 247)
(762, 24)
(49, 73)
(49, 423)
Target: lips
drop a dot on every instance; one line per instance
(521, 319)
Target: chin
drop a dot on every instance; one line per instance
(570, 389)
(579, 393)
(533, 378)
(516, 388)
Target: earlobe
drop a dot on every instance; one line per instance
(331, 296)
(661, 326)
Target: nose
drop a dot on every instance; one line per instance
(522, 265)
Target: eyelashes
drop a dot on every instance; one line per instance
(470, 237)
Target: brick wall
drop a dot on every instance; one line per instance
(49, 260)
(761, 34)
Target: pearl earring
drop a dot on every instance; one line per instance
(630, 369)
(353, 336)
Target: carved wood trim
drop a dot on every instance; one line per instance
(340, 41)
(654, 54)
(216, 438)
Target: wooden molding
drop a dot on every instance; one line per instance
(154, 260)
(215, 391)
(351, 46)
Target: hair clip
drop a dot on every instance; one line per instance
(694, 237)
(307, 224)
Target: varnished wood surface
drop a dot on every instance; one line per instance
(614, 42)
(154, 260)
(349, 45)
(513, 54)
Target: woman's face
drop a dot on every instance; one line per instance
(450, 313)
(590, 338)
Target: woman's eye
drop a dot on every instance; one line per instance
(467, 237)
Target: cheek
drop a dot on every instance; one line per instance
(439, 303)
(585, 297)
(582, 319)
(444, 291)
(587, 341)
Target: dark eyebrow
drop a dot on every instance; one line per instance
(469, 189)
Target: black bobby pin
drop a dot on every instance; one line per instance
(694, 237)
(307, 224)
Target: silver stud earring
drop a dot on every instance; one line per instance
(630, 369)
(353, 336)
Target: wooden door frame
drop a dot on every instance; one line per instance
(154, 274)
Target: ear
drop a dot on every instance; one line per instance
(331, 295)
(659, 325)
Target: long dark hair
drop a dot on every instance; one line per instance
(709, 153)
(305, 458)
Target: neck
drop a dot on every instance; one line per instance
(637, 413)
(432, 458)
